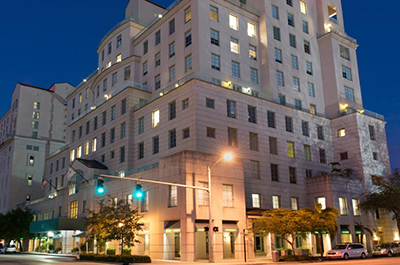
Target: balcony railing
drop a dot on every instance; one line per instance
(369, 113)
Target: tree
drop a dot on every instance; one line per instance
(338, 171)
(115, 222)
(285, 223)
(385, 196)
(15, 225)
(323, 220)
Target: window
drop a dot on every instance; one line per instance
(157, 59)
(308, 173)
(252, 114)
(214, 13)
(113, 112)
(251, 29)
(35, 125)
(256, 200)
(36, 105)
(276, 202)
(172, 138)
(86, 148)
(185, 133)
(158, 37)
(188, 38)
(343, 206)
(275, 11)
(305, 128)
(233, 22)
(157, 81)
(309, 68)
(109, 64)
(122, 154)
(210, 103)
(356, 207)
(36, 115)
(173, 196)
(274, 172)
(253, 138)
(279, 78)
(172, 110)
(171, 26)
(172, 50)
(303, 7)
(214, 37)
(289, 2)
(105, 85)
(292, 175)
(141, 150)
(296, 83)
(188, 63)
(289, 123)
(236, 69)
(112, 154)
(94, 145)
(103, 139)
(203, 194)
(102, 55)
(255, 169)
(307, 153)
(253, 52)
(292, 40)
(346, 72)
(79, 152)
(188, 14)
(344, 156)
(349, 93)
(344, 52)
(277, 33)
(234, 45)
(311, 89)
(295, 203)
(305, 27)
(104, 117)
(231, 108)
(216, 82)
(341, 133)
(375, 156)
(185, 104)
(320, 132)
(278, 55)
(73, 210)
(34, 135)
(282, 99)
(271, 119)
(215, 62)
(290, 149)
(156, 145)
(172, 73)
(322, 156)
(298, 104)
(232, 137)
(322, 201)
(72, 155)
(145, 47)
(123, 127)
(290, 18)
(211, 132)
(141, 125)
(109, 48)
(371, 132)
(156, 118)
(273, 145)
(29, 180)
(307, 47)
(227, 195)
(313, 109)
(118, 58)
(80, 132)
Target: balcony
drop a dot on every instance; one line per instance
(351, 110)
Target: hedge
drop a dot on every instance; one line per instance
(111, 251)
(116, 258)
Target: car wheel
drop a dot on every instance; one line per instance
(390, 254)
(346, 256)
(363, 256)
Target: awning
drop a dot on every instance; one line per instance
(57, 224)
(230, 226)
(344, 229)
(57, 236)
(173, 227)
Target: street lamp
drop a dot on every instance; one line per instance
(226, 157)
(120, 225)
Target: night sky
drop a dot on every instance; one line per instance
(48, 41)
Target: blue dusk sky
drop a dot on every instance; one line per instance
(47, 41)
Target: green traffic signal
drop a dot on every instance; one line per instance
(100, 186)
(138, 191)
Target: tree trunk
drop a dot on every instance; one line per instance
(321, 245)
(20, 246)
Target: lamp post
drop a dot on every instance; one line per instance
(120, 225)
(227, 157)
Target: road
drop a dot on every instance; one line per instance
(43, 259)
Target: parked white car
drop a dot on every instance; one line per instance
(387, 249)
(8, 249)
(347, 251)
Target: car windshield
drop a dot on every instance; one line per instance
(339, 247)
(384, 246)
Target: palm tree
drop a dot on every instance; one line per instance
(323, 220)
(363, 229)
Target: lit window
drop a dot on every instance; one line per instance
(295, 203)
(303, 7)
(256, 200)
(290, 149)
(343, 206)
(173, 196)
(322, 201)
(29, 180)
(252, 52)
(227, 195)
(156, 118)
(251, 30)
(36, 115)
(73, 210)
(86, 147)
(94, 145)
(31, 160)
(307, 153)
(188, 14)
(356, 207)
(79, 152)
(276, 202)
(36, 105)
(119, 58)
(313, 109)
(214, 13)
(72, 155)
(233, 22)
(108, 64)
(342, 133)
(234, 45)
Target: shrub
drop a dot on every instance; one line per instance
(126, 251)
(111, 251)
(37, 249)
(57, 250)
(116, 258)
(51, 247)
(74, 250)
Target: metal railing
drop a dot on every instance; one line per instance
(337, 32)
(369, 113)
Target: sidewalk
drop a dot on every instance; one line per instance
(224, 262)
(52, 254)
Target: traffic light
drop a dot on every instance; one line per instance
(215, 229)
(138, 191)
(206, 229)
(100, 186)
